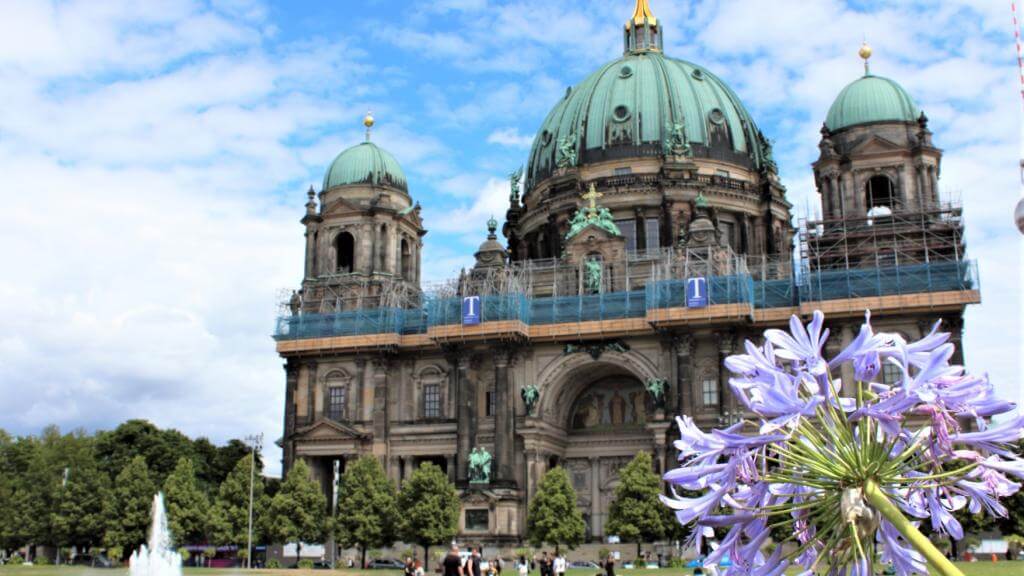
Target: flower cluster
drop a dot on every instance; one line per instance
(839, 467)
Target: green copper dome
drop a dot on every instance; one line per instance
(366, 163)
(871, 99)
(646, 104)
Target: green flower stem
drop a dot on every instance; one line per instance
(880, 502)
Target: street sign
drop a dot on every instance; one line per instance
(470, 310)
(697, 292)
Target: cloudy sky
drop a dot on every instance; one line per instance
(154, 158)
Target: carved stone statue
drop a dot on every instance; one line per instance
(566, 151)
(530, 394)
(295, 303)
(479, 466)
(656, 388)
(676, 143)
(766, 152)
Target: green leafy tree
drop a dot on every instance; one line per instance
(553, 516)
(81, 519)
(160, 448)
(229, 518)
(187, 506)
(129, 506)
(430, 509)
(298, 512)
(367, 510)
(636, 513)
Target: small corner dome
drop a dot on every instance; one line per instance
(871, 99)
(368, 164)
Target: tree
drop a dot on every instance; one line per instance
(636, 513)
(187, 506)
(553, 516)
(430, 509)
(298, 512)
(129, 506)
(160, 448)
(229, 518)
(367, 511)
(81, 519)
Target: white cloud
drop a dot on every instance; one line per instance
(510, 137)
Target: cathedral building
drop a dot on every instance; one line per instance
(647, 238)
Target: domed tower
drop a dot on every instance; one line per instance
(363, 240)
(651, 133)
(878, 177)
(876, 151)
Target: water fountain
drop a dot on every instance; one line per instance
(158, 558)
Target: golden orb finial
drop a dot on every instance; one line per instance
(865, 54)
(368, 121)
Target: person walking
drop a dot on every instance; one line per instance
(474, 562)
(559, 565)
(524, 567)
(609, 566)
(452, 563)
(409, 567)
(417, 569)
(545, 564)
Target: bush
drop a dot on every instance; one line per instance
(185, 554)
(676, 562)
(274, 564)
(305, 564)
(603, 554)
(16, 560)
(42, 561)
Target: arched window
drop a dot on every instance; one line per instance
(880, 192)
(345, 248)
(405, 264)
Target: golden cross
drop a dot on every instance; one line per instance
(592, 196)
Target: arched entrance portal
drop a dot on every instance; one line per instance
(607, 417)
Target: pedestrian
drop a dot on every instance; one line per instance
(418, 569)
(524, 567)
(474, 562)
(452, 563)
(409, 566)
(559, 566)
(545, 564)
(609, 566)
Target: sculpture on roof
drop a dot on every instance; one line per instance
(676, 143)
(514, 179)
(593, 214)
(592, 275)
(567, 151)
(656, 388)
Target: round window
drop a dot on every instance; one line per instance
(545, 137)
(716, 116)
(697, 75)
(621, 113)
(625, 72)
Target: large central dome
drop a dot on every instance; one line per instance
(634, 105)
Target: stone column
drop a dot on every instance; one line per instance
(504, 418)
(394, 469)
(595, 496)
(686, 345)
(532, 474)
(846, 372)
(408, 467)
(465, 390)
(291, 383)
(902, 194)
(380, 404)
(451, 460)
(360, 386)
(726, 400)
(311, 411)
(311, 230)
(364, 254)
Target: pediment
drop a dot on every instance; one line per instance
(324, 429)
(591, 233)
(875, 145)
(342, 207)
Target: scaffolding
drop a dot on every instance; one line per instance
(899, 253)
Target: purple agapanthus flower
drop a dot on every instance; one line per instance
(841, 474)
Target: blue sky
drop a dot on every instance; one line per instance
(154, 158)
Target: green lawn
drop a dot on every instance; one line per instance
(969, 569)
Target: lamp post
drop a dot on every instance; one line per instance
(256, 441)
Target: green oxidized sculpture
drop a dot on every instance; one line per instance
(513, 180)
(592, 277)
(656, 388)
(592, 214)
(567, 151)
(676, 143)
(479, 466)
(530, 394)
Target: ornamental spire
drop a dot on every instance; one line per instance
(368, 121)
(865, 54)
(642, 33)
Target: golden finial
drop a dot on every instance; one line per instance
(643, 12)
(368, 122)
(865, 54)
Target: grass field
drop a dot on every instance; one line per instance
(969, 569)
